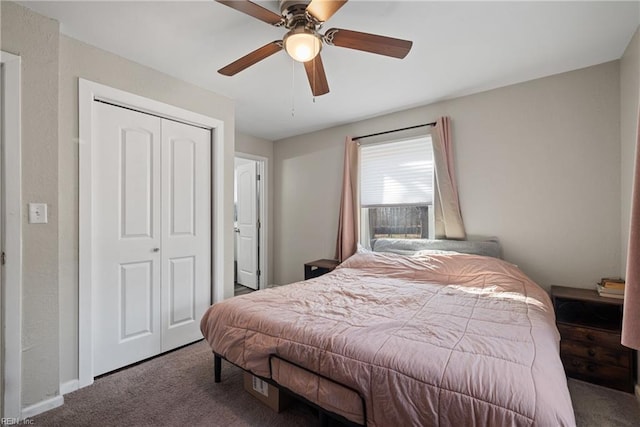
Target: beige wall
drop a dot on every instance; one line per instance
(629, 103)
(35, 39)
(81, 60)
(247, 144)
(537, 166)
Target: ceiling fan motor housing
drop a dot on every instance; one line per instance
(302, 42)
(294, 13)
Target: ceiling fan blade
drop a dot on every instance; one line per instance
(252, 9)
(317, 77)
(322, 10)
(373, 43)
(251, 58)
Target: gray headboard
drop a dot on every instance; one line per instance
(487, 247)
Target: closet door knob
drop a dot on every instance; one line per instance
(156, 249)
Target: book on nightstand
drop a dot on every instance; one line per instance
(611, 288)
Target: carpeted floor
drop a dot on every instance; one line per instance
(241, 290)
(597, 406)
(177, 389)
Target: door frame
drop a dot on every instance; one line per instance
(263, 211)
(12, 216)
(88, 92)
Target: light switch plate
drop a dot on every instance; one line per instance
(38, 213)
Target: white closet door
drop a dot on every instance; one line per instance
(126, 218)
(186, 231)
(152, 235)
(246, 187)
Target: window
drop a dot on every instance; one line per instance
(396, 189)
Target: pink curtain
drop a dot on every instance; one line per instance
(448, 218)
(349, 204)
(631, 314)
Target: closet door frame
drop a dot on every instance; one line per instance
(88, 93)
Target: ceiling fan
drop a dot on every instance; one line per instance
(303, 41)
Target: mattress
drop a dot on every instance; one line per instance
(437, 339)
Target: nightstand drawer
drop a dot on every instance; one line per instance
(602, 338)
(606, 375)
(595, 353)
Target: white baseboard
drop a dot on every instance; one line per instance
(40, 407)
(69, 386)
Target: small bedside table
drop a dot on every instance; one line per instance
(590, 327)
(319, 267)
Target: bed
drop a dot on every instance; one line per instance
(431, 338)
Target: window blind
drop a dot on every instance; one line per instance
(397, 173)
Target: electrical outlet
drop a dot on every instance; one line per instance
(38, 213)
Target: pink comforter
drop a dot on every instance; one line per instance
(430, 340)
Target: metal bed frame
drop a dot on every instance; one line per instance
(324, 414)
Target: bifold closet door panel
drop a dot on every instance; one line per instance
(126, 237)
(186, 231)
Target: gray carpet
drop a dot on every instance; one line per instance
(177, 389)
(241, 290)
(597, 406)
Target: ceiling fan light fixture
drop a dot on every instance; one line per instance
(302, 44)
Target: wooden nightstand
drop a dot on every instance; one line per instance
(590, 327)
(319, 267)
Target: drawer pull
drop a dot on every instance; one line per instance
(591, 352)
(591, 368)
(575, 363)
(590, 337)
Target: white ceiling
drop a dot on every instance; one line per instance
(459, 48)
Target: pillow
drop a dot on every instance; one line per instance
(362, 250)
(434, 252)
(489, 247)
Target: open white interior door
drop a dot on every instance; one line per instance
(247, 211)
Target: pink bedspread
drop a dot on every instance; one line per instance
(431, 340)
